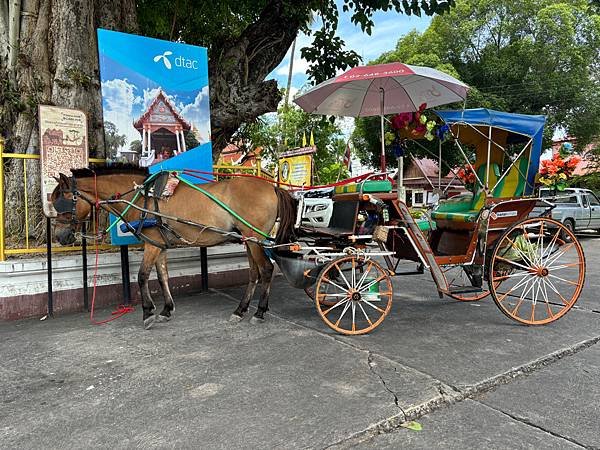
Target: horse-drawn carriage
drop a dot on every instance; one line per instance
(473, 246)
(534, 268)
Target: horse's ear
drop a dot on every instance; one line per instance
(63, 180)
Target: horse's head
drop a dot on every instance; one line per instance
(70, 207)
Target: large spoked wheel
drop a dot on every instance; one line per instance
(457, 276)
(361, 292)
(536, 271)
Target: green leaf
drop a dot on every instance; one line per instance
(412, 425)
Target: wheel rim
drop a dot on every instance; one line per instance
(456, 276)
(362, 299)
(540, 272)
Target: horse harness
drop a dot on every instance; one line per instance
(151, 189)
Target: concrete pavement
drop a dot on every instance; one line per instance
(468, 374)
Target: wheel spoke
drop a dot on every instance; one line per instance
(521, 282)
(353, 278)
(511, 275)
(525, 257)
(545, 295)
(559, 254)
(341, 302)
(557, 293)
(512, 262)
(337, 324)
(328, 281)
(365, 314)
(353, 316)
(526, 290)
(372, 305)
(562, 279)
(564, 266)
(551, 246)
(541, 243)
(343, 276)
(371, 283)
(364, 276)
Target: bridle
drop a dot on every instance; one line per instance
(64, 206)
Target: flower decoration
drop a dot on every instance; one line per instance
(556, 171)
(419, 126)
(467, 176)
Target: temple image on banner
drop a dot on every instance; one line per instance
(163, 131)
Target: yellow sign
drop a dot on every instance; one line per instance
(296, 170)
(63, 146)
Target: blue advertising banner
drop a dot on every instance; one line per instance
(155, 102)
(120, 237)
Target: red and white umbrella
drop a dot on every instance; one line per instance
(382, 89)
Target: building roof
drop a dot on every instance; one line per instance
(139, 123)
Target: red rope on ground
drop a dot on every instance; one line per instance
(121, 309)
(194, 172)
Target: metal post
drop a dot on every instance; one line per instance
(85, 267)
(49, 265)
(125, 274)
(203, 269)
(487, 167)
(381, 104)
(1, 200)
(440, 164)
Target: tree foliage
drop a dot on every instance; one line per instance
(526, 56)
(286, 130)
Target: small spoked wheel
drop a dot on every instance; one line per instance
(353, 295)
(536, 271)
(457, 276)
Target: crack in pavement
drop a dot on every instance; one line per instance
(532, 424)
(462, 393)
(372, 364)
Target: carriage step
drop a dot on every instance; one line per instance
(464, 289)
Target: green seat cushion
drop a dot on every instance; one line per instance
(465, 216)
(424, 224)
(367, 186)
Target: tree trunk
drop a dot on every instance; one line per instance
(56, 64)
(238, 92)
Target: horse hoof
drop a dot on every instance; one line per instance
(257, 320)
(149, 322)
(234, 318)
(161, 319)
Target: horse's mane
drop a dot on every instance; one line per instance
(110, 170)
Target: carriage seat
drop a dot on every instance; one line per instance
(342, 220)
(368, 186)
(466, 210)
(513, 184)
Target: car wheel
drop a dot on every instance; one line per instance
(570, 226)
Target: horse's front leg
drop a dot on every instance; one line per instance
(238, 314)
(265, 268)
(163, 278)
(151, 253)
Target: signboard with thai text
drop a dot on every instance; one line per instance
(63, 146)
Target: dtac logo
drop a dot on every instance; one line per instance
(179, 61)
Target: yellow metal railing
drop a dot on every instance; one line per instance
(4, 251)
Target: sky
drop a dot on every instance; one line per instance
(389, 27)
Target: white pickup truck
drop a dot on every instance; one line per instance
(578, 209)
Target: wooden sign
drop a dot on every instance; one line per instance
(63, 146)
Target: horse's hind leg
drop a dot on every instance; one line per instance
(163, 278)
(151, 253)
(238, 314)
(265, 268)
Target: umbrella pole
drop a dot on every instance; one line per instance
(381, 105)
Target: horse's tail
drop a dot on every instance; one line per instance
(287, 208)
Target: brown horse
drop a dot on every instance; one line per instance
(255, 200)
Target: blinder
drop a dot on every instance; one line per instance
(65, 206)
